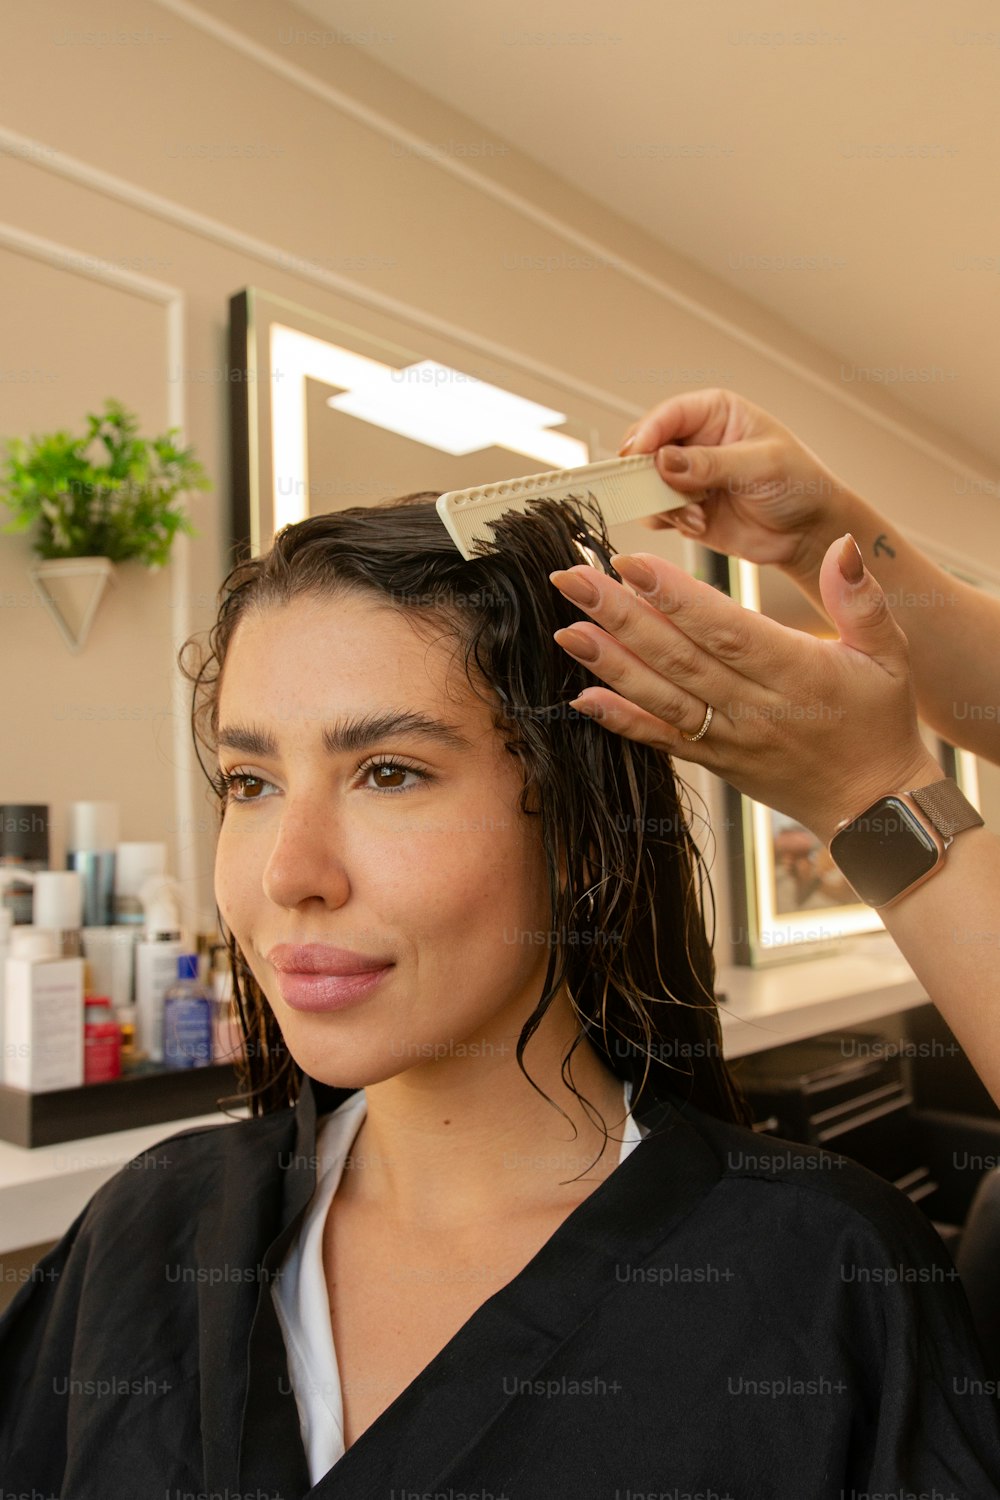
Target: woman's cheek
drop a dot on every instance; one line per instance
(234, 882)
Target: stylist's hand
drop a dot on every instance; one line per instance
(816, 729)
(767, 497)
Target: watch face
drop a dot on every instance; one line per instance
(884, 850)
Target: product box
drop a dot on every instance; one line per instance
(43, 1024)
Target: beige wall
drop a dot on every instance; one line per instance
(128, 220)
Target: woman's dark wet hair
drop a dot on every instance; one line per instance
(639, 964)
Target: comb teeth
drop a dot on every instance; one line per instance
(623, 488)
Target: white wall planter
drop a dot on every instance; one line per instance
(71, 588)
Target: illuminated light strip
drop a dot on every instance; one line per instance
(428, 402)
(457, 413)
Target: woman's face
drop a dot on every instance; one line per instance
(430, 866)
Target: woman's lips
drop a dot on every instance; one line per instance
(321, 992)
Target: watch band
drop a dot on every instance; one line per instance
(880, 852)
(947, 807)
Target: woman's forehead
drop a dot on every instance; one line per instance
(320, 633)
(340, 655)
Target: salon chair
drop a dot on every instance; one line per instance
(978, 1263)
(969, 1199)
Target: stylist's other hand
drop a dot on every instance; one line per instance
(814, 728)
(766, 495)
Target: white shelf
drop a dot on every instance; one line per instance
(42, 1189)
(867, 978)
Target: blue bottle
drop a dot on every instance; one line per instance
(187, 1018)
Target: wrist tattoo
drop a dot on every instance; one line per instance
(881, 545)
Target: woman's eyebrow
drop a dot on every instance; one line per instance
(350, 735)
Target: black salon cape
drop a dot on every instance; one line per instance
(726, 1315)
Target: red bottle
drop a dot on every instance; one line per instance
(102, 1041)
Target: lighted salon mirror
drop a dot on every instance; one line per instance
(328, 414)
(789, 900)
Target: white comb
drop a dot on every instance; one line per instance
(624, 489)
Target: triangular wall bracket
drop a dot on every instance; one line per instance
(71, 588)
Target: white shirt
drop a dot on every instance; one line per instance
(300, 1292)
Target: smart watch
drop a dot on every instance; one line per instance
(900, 840)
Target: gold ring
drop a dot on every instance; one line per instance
(709, 714)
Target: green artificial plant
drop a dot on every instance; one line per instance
(120, 503)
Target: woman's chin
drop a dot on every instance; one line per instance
(350, 1069)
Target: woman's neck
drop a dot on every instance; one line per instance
(468, 1140)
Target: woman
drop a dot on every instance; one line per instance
(425, 1186)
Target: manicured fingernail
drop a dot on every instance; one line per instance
(693, 517)
(634, 572)
(626, 445)
(673, 460)
(850, 561)
(577, 645)
(576, 586)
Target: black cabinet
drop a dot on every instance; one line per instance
(848, 1092)
(901, 1099)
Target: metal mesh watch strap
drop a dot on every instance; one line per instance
(946, 806)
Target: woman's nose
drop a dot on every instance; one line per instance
(304, 863)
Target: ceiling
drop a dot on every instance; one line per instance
(839, 168)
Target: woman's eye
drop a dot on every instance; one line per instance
(238, 781)
(238, 786)
(394, 768)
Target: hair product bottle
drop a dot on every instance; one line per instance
(102, 1041)
(90, 848)
(134, 864)
(24, 845)
(187, 1018)
(59, 905)
(156, 960)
